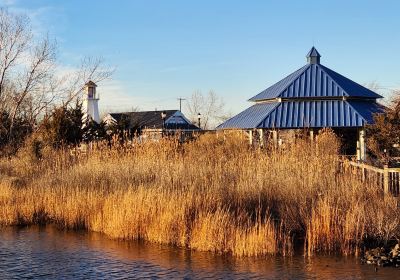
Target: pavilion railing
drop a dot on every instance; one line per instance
(386, 178)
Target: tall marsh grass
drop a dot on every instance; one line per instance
(213, 194)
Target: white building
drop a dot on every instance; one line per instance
(90, 104)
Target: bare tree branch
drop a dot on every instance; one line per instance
(210, 106)
(14, 38)
(30, 86)
(91, 69)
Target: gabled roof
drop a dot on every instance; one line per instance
(305, 114)
(151, 119)
(144, 118)
(315, 80)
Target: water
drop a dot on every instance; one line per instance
(47, 253)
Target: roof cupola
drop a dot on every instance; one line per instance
(313, 56)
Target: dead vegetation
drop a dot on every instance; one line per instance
(214, 194)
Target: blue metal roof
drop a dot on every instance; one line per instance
(323, 113)
(313, 96)
(350, 87)
(251, 117)
(367, 109)
(276, 89)
(315, 80)
(305, 114)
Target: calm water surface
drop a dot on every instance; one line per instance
(47, 253)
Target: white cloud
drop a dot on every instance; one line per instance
(114, 97)
(7, 2)
(113, 94)
(40, 17)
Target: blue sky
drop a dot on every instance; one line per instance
(166, 49)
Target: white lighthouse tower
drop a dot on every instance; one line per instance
(90, 104)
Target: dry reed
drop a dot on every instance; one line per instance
(213, 194)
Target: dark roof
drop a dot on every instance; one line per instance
(151, 119)
(90, 83)
(313, 53)
(305, 114)
(315, 80)
(144, 118)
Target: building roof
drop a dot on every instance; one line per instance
(312, 96)
(251, 117)
(315, 80)
(144, 118)
(90, 83)
(305, 114)
(152, 119)
(313, 53)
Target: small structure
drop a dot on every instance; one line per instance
(151, 124)
(312, 97)
(90, 104)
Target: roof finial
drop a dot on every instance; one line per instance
(313, 56)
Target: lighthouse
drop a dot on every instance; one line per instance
(90, 104)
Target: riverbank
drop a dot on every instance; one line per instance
(213, 194)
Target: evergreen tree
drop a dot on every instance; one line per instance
(93, 131)
(64, 127)
(22, 128)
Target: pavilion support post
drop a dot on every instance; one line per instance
(312, 135)
(362, 144)
(251, 137)
(261, 136)
(275, 138)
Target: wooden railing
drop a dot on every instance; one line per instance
(387, 178)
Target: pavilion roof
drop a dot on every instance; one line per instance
(312, 96)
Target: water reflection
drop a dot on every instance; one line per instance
(52, 254)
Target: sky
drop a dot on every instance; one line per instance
(163, 50)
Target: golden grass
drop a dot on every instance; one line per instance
(213, 194)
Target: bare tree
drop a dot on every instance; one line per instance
(384, 133)
(72, 84)
(29, 83)
(14, 39)
(373, 85)
(210, 106)
(25, 65)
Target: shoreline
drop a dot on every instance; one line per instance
(297, 253)
(87, 254)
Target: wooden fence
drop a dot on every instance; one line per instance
(387, 178)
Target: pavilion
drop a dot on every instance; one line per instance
(312, 97)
